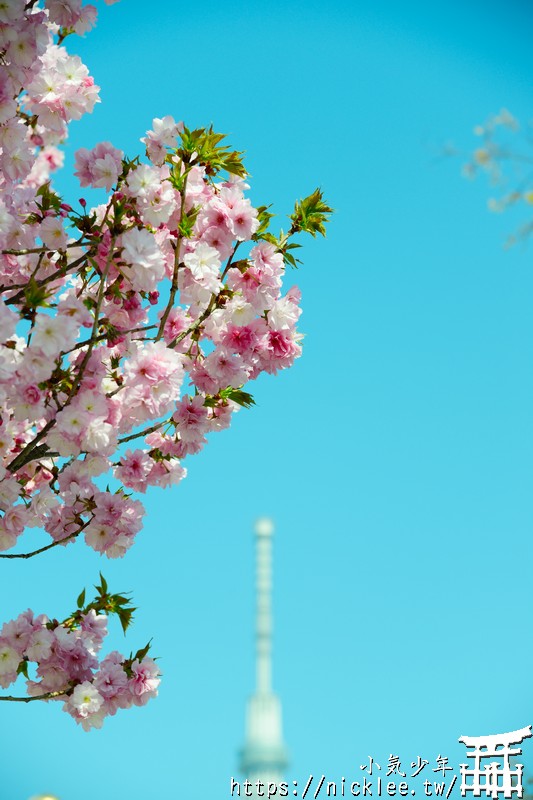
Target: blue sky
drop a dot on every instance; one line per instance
(395, 457)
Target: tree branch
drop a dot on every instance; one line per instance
(46, 696)
(48, 546)
(174, 287)
(144, 432)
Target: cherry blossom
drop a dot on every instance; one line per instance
(129, 331)
(64, 659)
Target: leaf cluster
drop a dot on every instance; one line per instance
(35, 296)
(49, 200)
(103, 603)
(311, 214)
(202, 147)
(138, 656)
(244, 399)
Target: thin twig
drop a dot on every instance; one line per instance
(48, 546)
(47, 696)
(144, 432)
(174, 287)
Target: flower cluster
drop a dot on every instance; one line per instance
(128, 330)
(64, 659)
(128, 333)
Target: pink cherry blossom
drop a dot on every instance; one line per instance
(130, 332)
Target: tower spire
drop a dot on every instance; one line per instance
(264, 755)
(263, 628)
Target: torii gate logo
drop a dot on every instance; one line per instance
(497, 778)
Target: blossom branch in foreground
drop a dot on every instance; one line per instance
(90, 359)
(64, 656)
(130, 321)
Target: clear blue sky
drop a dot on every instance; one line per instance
(395, 458)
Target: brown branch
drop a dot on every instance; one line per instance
(144, 432)
(59, 273)
(29, 452)
(103, 336)
(202, 318)
(48, 546)
(230, 259)
(174, 287)
(27, 251)
(212, 304)
(101, 290)
(46, 696)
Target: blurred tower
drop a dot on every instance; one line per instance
(264, 755)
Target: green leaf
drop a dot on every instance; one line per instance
(22, 669)
(186, 223)
(263, 217)
(35, 295)
(49, 199)
(290, 260)
(125, 616)
(269, 237)
(80, 602)
(103, 585)
(140, 654)
(244, 399)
